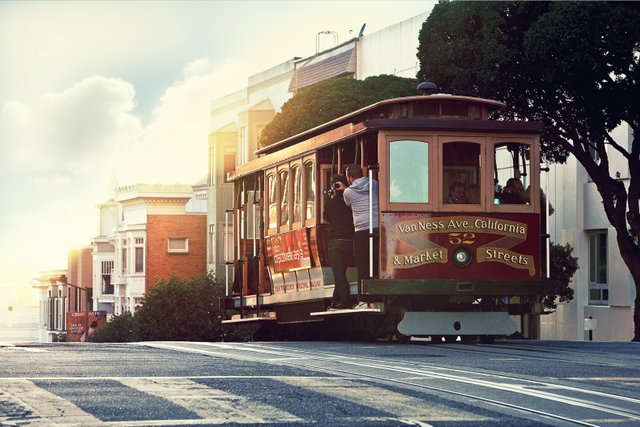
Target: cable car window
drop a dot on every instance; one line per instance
(297, 194)
(512, 164)
(284, 196)
(408, 171)
(271, 185)
(310, 187)
(461, 173)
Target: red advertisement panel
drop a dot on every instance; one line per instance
(79, 322)
(288, 251)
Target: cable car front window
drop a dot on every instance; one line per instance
(408, 171)
(461, 173)
(511, 173)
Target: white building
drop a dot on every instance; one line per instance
(603, 286)
(104, 258)
(238, 118)
(148, 233)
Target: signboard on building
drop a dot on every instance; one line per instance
(79, 322)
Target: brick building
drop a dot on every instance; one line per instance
(158, 231)
(176, 245)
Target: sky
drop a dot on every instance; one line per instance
(95, 94)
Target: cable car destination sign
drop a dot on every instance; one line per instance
(420, 241)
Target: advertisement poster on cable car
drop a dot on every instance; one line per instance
(460, 246)
(79, 322)
(288, 251)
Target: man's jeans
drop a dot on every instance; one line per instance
(340, 251)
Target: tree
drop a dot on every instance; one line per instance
(177, 309)
(572, 65)
(119, 329)
(562, 268)
(330, 99)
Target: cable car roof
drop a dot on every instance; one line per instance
(489, 105)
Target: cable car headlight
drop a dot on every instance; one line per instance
(461, 257)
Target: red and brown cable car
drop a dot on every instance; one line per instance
(462, 241)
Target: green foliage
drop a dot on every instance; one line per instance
(461, 50)
(562, 268)
(330, 99)
(575, 66)
(119, 329)
(179, 310)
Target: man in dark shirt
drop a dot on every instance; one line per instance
(340, 220)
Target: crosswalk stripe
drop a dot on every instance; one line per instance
(215, 405)
(46, 408)
(401, 406)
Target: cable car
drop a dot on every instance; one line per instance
(461, 245)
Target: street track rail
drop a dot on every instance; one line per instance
(551, 401)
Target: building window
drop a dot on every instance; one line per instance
(211, 243)
(229, 164)
(178, 245)
(243, 145)
(77, 303)
(139, 247)
(107, 270)
(598, 287)
(124, 256)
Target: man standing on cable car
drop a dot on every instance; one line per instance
(340, 220)
(364, 208)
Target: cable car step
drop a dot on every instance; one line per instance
(269, 316)
(372, 308)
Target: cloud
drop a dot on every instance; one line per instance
(76, 131)
(70, 149)
(173, 147)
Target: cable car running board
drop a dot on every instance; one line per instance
(374, 310)
(271, 316)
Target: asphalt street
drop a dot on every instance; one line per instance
(510, 383)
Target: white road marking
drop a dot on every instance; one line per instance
(401, 406)
(520, 386)
(215, 405)
(46, 408)
(13, 347)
